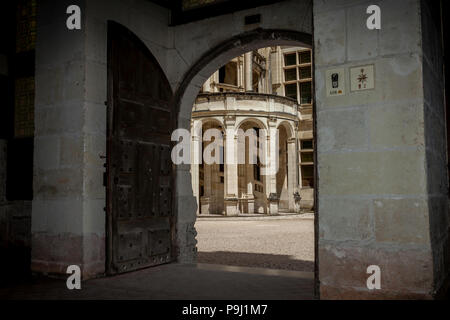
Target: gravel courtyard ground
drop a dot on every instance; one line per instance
(276, 243)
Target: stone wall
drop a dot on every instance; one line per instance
(66, 229)
(376, 182)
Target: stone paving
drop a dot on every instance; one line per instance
(254, 258)
(176, 281)
(276, 242)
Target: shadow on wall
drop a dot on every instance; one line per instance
(256, 260)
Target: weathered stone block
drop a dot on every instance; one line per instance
(330, 38)
(342, 130)
(405, 272)
(60, 183)
(93, 182)
(387, 172)
(396, 125)
(362, 43)
(57, 216)
(95, 119)
(59, 119)
(345, 219)
(96, 82)
(94, 216)
(186, 208)
(47, 152)
(400, 32)
(71, 151)
(401, 221)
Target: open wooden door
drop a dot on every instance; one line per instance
(140, 183)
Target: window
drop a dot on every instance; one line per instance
(26, 26)
(304, 72)
(19, 181)
(291, 90)
(306, 144)
(24, 108)
(298, 70)
(289, 59)
(222, 74)
(305, 93)
(304, 57)
(228, 74)
(308, 176)
(290, 74)
(307, 157)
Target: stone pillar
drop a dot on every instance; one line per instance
(215, 80)
(68, 217)
(271, 165)
(248, 65)
(249, 179)
(196, 158)
(240, 72)
(207, 85)
(231, 168)
(383, 179)
(205, 201)
(292, 172)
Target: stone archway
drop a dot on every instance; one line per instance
(184, 99)
(252, 186)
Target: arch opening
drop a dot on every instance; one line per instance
(207, 95)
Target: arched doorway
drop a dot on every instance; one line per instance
(213, 60)
(210, 174)
(287, 175)
(251, 183)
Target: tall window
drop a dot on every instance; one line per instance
(19, 185)
(298, 76)
(307, 163)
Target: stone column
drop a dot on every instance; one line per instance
(207, 85)
(215, 80)
(292, 172)
(248, 64)
(231, 168)
(207, 184)
(249, 180)
(196, 157)
(271, 167)
(240, 73)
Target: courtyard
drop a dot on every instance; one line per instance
(279, 242)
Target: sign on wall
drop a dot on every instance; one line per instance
(335, 82)
(362, 78)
